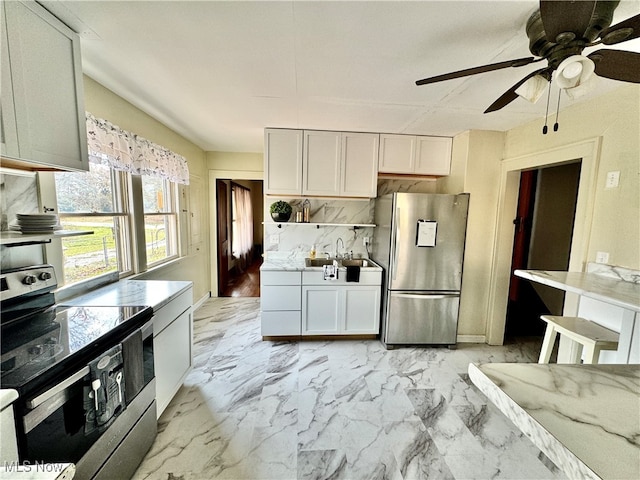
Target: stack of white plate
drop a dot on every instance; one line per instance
(36, 223)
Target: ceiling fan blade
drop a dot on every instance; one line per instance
(564, 16)
(621, 32)
(472, 71)
(510, 95)
(617, 64)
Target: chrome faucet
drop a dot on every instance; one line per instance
(339, 241)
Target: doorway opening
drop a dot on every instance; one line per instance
(543, 236)
(239, 237)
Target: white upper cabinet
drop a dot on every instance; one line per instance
(43, 117)
(433, 155)
(414, 155)
(397, 154)
(359, 167)
(282, 161)
(340, 164)
(321, 163)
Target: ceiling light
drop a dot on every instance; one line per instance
(533, 88)
(574, 71)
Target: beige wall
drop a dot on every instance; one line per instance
(194, 266)
(235, 161)
(615, 117)
(613, 227)
(475, 169)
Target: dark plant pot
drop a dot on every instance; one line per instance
(280, 217)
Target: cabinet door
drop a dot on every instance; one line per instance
(433, 155)
(397, 153)
(321, 310)
(8, 133)
(361, 310)
(321, 163)
(172, 358)
(282, 161)
(359, 167)
(48, 96)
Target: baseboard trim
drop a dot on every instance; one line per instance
(472, 339)
(199, 303)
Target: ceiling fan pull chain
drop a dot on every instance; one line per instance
(545, 129)
(557, 125)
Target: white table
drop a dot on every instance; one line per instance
(610, 302)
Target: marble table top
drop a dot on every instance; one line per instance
(599, 287)
(585, 418)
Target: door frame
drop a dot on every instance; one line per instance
(215, 175)
(588, 151)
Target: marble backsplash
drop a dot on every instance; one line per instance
(611, 271)
(298, 239)
(18, 194)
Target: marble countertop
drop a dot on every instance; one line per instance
(297, 263)
(599, 287)
(47, 471)
(583, 417)
(155, 293)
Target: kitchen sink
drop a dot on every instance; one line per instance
(319, 262)
(357, 263)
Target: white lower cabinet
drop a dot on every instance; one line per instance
(172, 347)
(340, 309)
(280, 303)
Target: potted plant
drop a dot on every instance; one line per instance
(280, 211)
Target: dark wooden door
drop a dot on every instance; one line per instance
(523, 223)
(222, 196)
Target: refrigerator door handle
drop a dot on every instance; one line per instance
(396, 247)
(424, 296)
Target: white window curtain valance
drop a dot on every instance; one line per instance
(122, 150)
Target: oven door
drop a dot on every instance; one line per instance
(64, 422)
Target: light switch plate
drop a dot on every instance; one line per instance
(613, 179)
(274, 239)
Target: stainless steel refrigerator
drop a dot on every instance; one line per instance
(419, 241)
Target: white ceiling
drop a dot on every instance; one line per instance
(219, 72)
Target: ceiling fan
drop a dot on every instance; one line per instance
(558, 32)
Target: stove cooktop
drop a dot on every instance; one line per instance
(59, 338)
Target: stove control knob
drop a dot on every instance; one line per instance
(29, 280)
(44, 276)
(36, 350)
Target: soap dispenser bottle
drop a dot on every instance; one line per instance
(312, 253)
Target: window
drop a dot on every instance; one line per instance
(160, 219)
(93, 201)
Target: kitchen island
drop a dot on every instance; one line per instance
(583, 417)
(608, 296)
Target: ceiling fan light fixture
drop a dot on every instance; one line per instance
(574, 71)
(582, 89)
(533, 88)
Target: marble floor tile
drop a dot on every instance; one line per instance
(348, 409)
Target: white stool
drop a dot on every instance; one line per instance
(588, 335)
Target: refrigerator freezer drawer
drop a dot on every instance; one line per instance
(421, 318)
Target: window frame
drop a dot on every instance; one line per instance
(127, 192)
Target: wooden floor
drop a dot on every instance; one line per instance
(247, 284)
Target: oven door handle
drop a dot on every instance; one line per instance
(43, 397)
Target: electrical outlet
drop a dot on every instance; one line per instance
(274, 239)
(366, 241)
(613, 179)
(602, 257)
